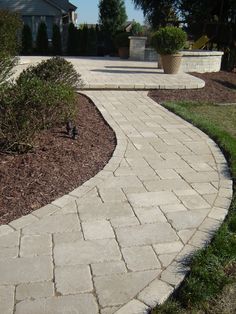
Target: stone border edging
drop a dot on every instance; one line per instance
(141, 87)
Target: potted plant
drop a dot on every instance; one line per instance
(168, 41)
(122, 43)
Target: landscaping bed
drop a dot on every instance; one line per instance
(56, 165)
(220, 88)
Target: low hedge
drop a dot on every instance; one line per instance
(42, 97)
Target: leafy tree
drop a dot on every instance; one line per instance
(216, 19)
(27, 40)
(112, 15)
(42, 39)
(158, 12)
(136, 29)
(56, 40)
(201, 13)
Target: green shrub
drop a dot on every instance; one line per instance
(169, 40)
(27, 40)
(10, 26)
(55, 70)
(7, 63)
(122, 40)
(29, 106)
(42, 39)
(56, 40)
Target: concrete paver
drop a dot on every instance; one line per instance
(113, 73)
(115, 244)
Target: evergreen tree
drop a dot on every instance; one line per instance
(72, 40)
(27, 40)
(84, 40)
(56, 40)
(10, 27)
(42, 39)
(92, 42)
(112, 15)
(80, 41)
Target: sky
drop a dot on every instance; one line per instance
(88, 11)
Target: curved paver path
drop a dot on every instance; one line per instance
(114, 245)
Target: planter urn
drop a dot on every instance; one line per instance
(123, 52)
(171, 63)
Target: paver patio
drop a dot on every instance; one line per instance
(115, 244)
(114, 73)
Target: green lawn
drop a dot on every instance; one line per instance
(211, 284)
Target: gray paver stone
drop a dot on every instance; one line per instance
(73, 279)
(140, 258)
(28, 269)
(120, 288)
(145, 234)
(34, 290)
(155, 293)
(133, 307)
(7, 299)
(78, 304)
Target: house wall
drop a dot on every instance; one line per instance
(33, 12)
(30, 7)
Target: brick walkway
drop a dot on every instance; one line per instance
(115, 244)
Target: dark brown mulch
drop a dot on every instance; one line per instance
(56, 166)
(220, 88)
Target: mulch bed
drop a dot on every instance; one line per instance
(56, 166)
(220, 88)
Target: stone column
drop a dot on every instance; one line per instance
(137, 48)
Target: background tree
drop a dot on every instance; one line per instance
(92, 41)
(42, 39)
(217, 20)
(72, 40)
(10, 26)
(112, 15)
(158, 12)
(27, 40)
(211, 12)
(84, 41)
(56, 40)
(137, 29)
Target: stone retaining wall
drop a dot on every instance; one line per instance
(200, 61)
(137, 48)
(193, 60)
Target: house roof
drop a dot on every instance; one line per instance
(64, 5)
(37, 7)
